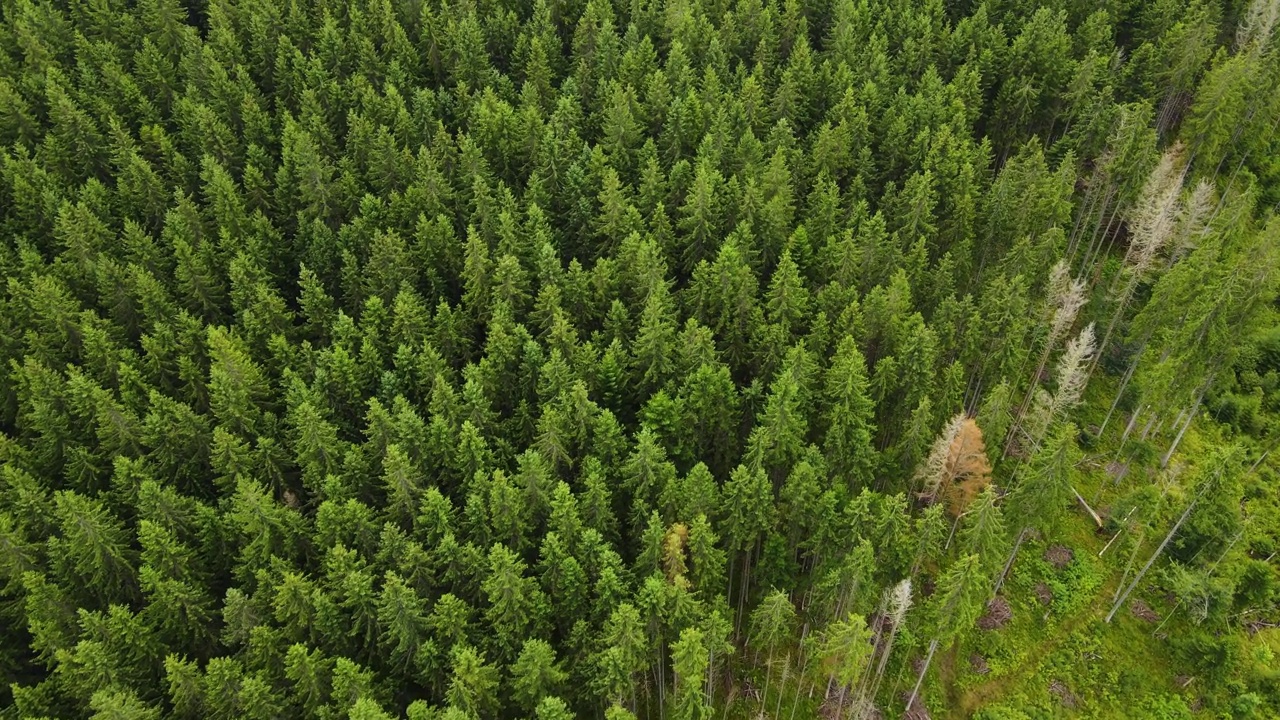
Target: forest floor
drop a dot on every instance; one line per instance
(965, 702)
(1060, 661)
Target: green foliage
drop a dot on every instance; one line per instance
(576, 360)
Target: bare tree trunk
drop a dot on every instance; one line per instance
(662, 680)
(782, 690)
(1124, 382)
(1086, 211)
(1008, 564)
(933, 646)
(1116, 536)
(1121, 306)
(1164, 459)
(1097, 228)
(955, 524)
(768, 676)
(1031, 391)
(804, 660)
(1133, 421)
(1106, 241)
(884, 662)
(1098, 240)
(711, 664)
(1191, 415)
(1261, 459)
(1090, 510)
(1138, 578)
(1146, 429)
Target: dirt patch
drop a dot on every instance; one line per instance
(1044, 593)
(1059, 556)
(998, 614)
(1063, 693)
(863, 710)
(917, 710)
(927, 585)
(978, 664)
(1117, 470)
(1143, 611)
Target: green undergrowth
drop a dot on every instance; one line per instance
(1056, 657)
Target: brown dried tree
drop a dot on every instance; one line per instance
(957, 468)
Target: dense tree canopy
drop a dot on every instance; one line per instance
(674, 359)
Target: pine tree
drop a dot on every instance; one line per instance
(983, 534)
(535, 675)
(515, 603)
(473, 688)
(849, 418)
(689, 661)
(956, 469)
(338, 342)
(845, 650)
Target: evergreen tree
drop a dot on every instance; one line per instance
(514, 360)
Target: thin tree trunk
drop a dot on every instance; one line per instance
(1008, 564)
(1123, 304)
(1124, 382)
(1146, 429)
(1164, 459)
(1128, 566)
(1138, 578)
(1099, 235)
(804, 660)
(1016, 425)
(950, 536)
(1106, 241)
(1133, 421)
(1086, 212)
(884, 662)
(782, 690)
(971, 401)
(1090, 510)
(933, 646)
(711, 664)
(1123, 526)
(1191, 415)
(864, 679)
(728, 595)
(768, 675)
(1097, 227)
(1260, 460)
(662, 677)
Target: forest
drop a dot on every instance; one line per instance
(639, 359)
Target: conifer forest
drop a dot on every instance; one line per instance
(639, 359)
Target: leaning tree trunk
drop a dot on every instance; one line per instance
(933, 646)
(1124, 382)
(1008, 564)
(1138, 578)
(1195, 406)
